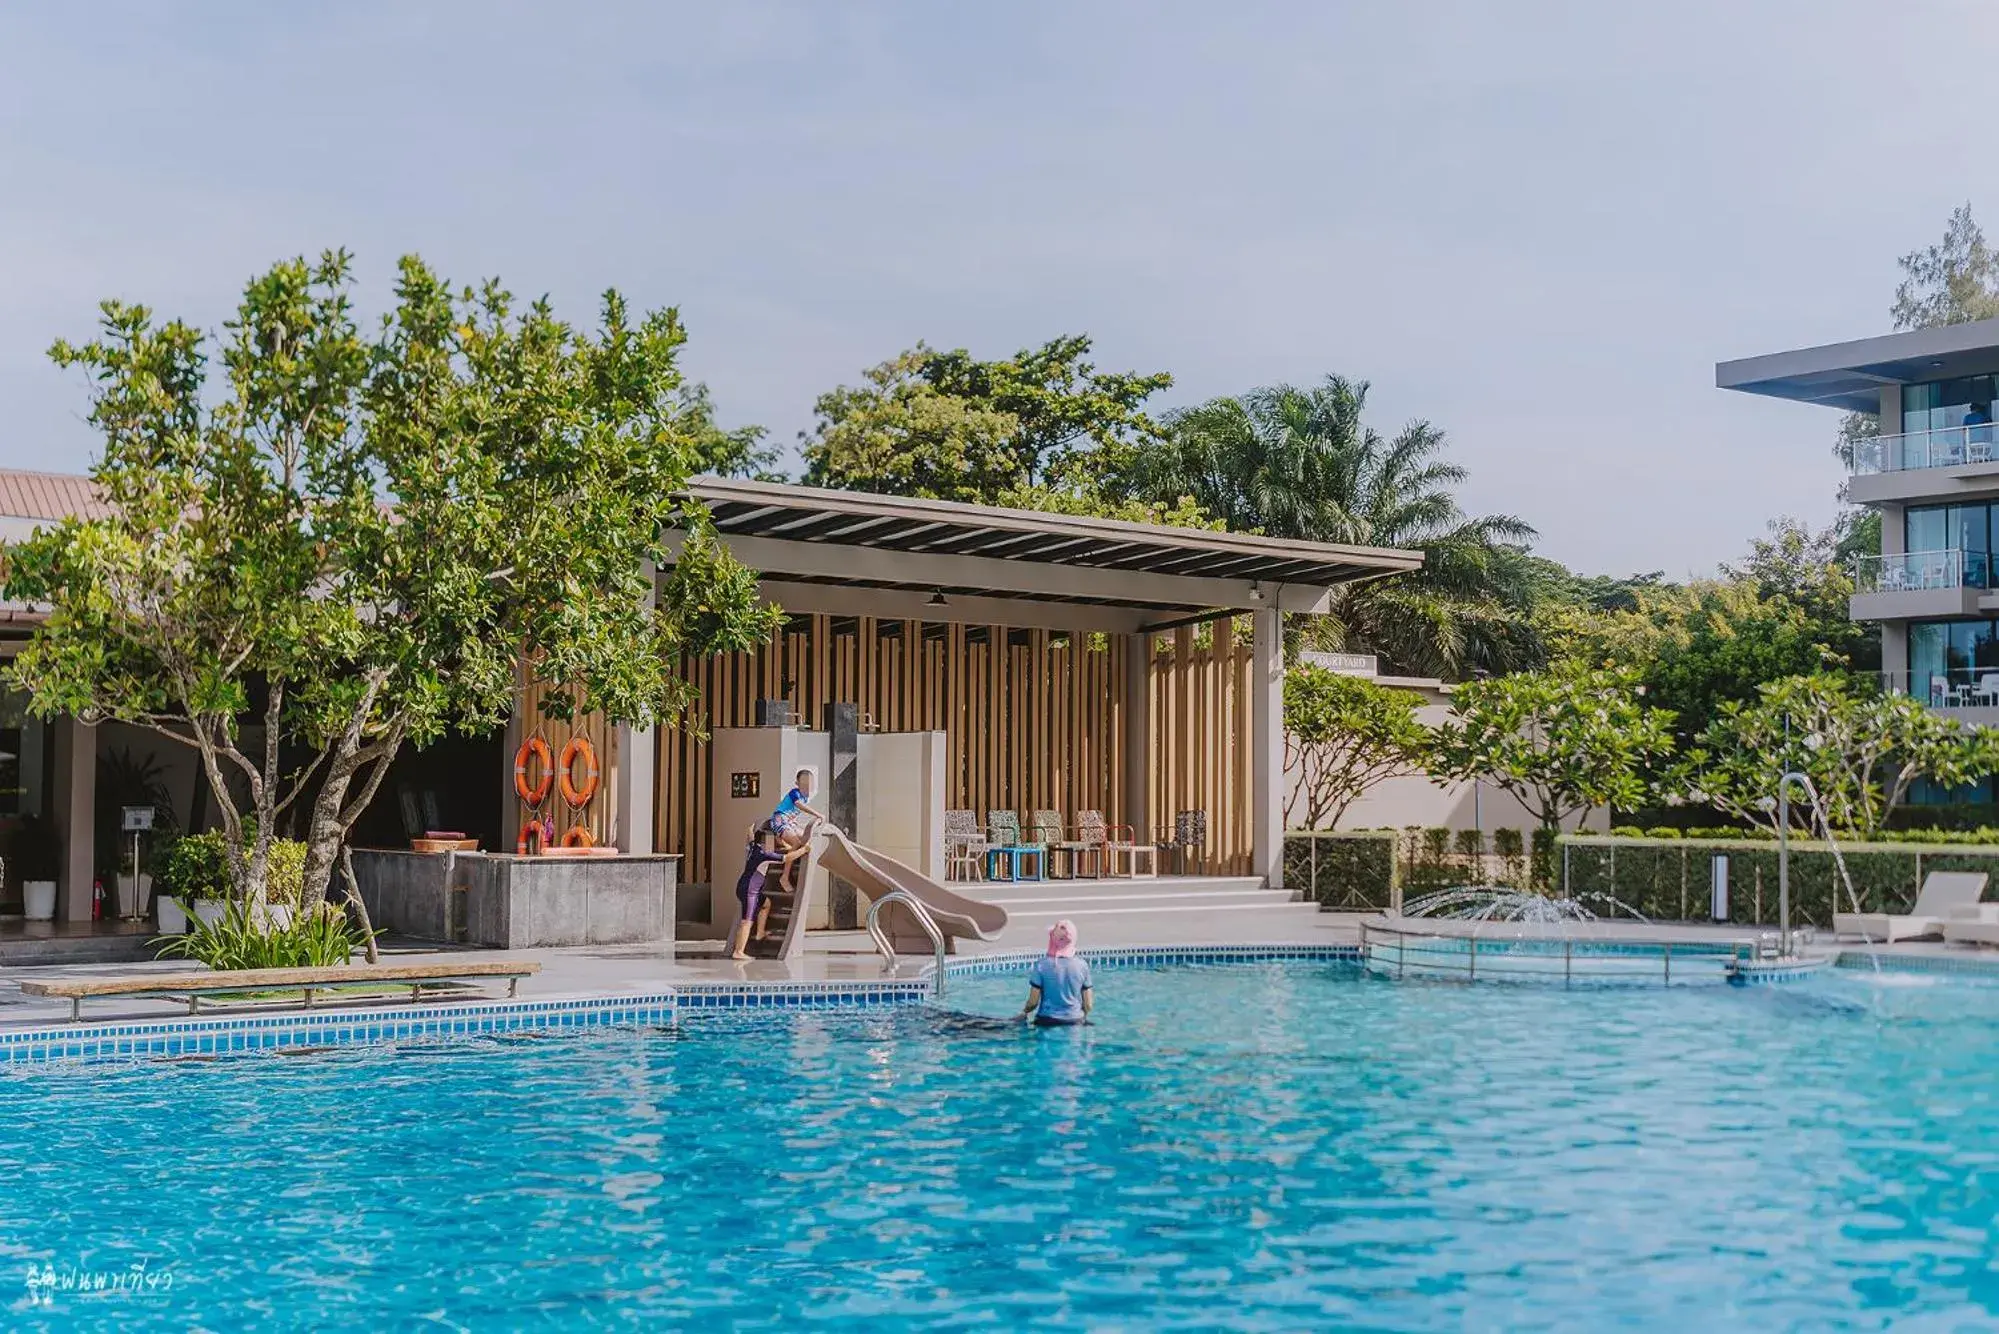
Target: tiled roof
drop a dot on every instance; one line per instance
(47, 495)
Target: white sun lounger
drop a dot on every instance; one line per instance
(1943, 895)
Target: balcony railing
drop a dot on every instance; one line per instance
(1954, 688)
(1944, 447)
(1914, 571)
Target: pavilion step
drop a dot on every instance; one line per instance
(1012, 891)
(1069, 905)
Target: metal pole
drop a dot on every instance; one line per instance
(1471, 970)
(1784, 862)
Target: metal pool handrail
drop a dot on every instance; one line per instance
(923, 919)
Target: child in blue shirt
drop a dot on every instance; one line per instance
(794, 835)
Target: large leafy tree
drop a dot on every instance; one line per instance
(1862, 751)
(352, 542)
(1781, 611)
(1342, 735)
(1564, 741)
(1043, 428)
(1302, 463)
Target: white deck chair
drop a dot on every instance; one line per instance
(1943, 894)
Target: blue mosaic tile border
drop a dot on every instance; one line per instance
(1973, 964)
(218, 1035)
(801, 995)
(223, 1035)
(1759, 974)
(1141, 956)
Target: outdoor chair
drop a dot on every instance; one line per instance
(1064, 853)
(1189, 838)
(964, 846)
(1987, 691)
(1945, 895)
(1121, 840)
(1005, 848)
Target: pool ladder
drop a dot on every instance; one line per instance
(923, 919)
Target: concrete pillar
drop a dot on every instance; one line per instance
(73, 809)
(634, 802)
(632, 812)
(1266, 798)
(1137, 737)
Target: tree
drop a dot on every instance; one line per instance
(1954, 281)
(1342, 735)
(1040, 426)
(1301, 463)
(1563, 741)
(351, 543)
(1861, 751)
(1781, 611)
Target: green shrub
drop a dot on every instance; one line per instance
(322, 939)
(1541, 858)
(1662, 831)
(1470, 843)
(1343, 872)
(1626, 831)
(196, 866)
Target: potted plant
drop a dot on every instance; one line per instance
(38, 853)
(192, 875)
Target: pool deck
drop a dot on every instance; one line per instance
(615, 971)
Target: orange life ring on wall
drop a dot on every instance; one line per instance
(579, 837)
(534, 837)
(578, 748)
(534, 748)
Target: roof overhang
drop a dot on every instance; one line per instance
(1106, 573)
(1851, 375)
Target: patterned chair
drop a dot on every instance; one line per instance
(1006, 849)
(1065, 855)
(1120, 840)
(1190, 838)
(964, 846)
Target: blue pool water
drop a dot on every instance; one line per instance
(1283, 1146)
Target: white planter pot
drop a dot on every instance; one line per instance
(135, 894)
(210, 912)
(173, 918)
(41, 900)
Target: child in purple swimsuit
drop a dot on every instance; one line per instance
(758, 860)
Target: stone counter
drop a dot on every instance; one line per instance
(509, 902)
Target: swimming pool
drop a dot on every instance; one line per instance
(1282, 1145)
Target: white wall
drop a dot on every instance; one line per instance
(775, 754)
(901, 807)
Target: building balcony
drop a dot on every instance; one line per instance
(1919, 465)
(1968, 694)
(1921, 585)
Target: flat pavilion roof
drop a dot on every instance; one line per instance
(807, 535)
(1851, 375)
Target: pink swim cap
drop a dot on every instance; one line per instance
(1062, 940)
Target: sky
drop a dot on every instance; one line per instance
(1537, 225)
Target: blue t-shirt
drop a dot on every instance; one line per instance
(1062, 983)
(789, 806)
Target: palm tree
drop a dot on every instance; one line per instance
(1292, 462)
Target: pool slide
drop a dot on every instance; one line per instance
(874, 875)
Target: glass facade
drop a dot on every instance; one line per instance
(1966, 528)
(1930, 407)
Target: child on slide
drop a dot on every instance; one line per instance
(794, 831)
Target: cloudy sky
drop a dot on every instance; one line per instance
(1536, 224)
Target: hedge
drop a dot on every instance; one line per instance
(1343, 872)
(1666, 879)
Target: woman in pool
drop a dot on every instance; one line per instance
(1058, 985)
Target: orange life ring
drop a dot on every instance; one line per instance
(534, 837)
(534, 748)
(579, 837)
(578, 748)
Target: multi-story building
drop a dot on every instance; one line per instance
(1933, 473)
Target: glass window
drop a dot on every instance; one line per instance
(21, 757)
(1926, 528)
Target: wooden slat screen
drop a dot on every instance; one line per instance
(1032, 719)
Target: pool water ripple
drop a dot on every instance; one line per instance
(1281, 1146)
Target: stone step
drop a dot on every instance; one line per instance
(1070, 905)
(1009, 891)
